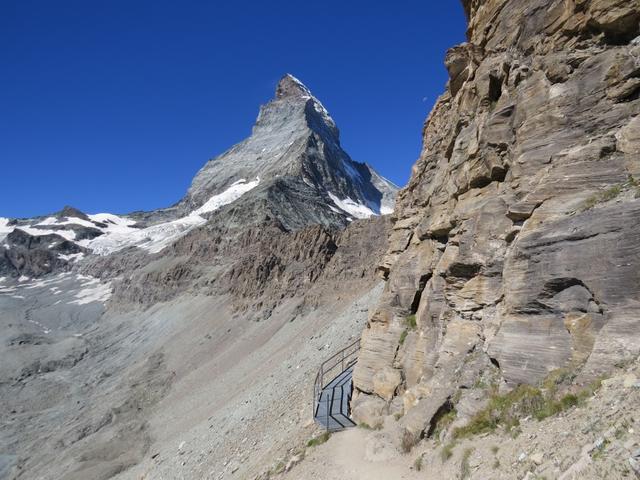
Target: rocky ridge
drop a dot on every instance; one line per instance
(514, 249)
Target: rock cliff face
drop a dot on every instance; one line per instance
(258, 267)
(515, 246)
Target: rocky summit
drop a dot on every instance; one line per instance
(300, 170)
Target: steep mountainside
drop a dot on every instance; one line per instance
(124, 338)
(515, 248)
(295, 147)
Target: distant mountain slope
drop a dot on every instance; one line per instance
(291, 170)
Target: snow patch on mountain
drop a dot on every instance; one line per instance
(69, 221)
(5, 229)
(72, 257)
(352, 207)
(112, 221)
(120, 232)
(66, 234)
(230, 195)
(153, 238)
(79, 289)
(386, 210)
(92, 291)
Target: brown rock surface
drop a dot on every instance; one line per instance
(259, 266)
(516, 242)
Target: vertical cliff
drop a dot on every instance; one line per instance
(515, 248)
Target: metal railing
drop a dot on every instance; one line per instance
(332, 367)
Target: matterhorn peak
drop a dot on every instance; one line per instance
(305, 176)
(290, 86)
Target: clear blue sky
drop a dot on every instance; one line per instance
(114, 105)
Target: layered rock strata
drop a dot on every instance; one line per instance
(515, 246)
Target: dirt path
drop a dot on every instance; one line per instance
(355, 454)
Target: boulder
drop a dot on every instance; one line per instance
(386, 382)
(368, 410)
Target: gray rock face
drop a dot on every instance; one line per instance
(34, 256)
(516, 242)
(259, 265)
(295, 145)
(71, 212)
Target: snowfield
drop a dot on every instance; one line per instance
(153, 238)
(4, 228)
(92, 291)
(386, 210)
(74, 257)
(120, 232)
(66, 234)
(352, 207)
(82, 289)
(230, 195)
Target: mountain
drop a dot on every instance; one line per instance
(291, 169)
(496, 310)
(135, 343)
(294, 150)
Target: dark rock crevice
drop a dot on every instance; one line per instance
(422, 283)
(443, 410)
